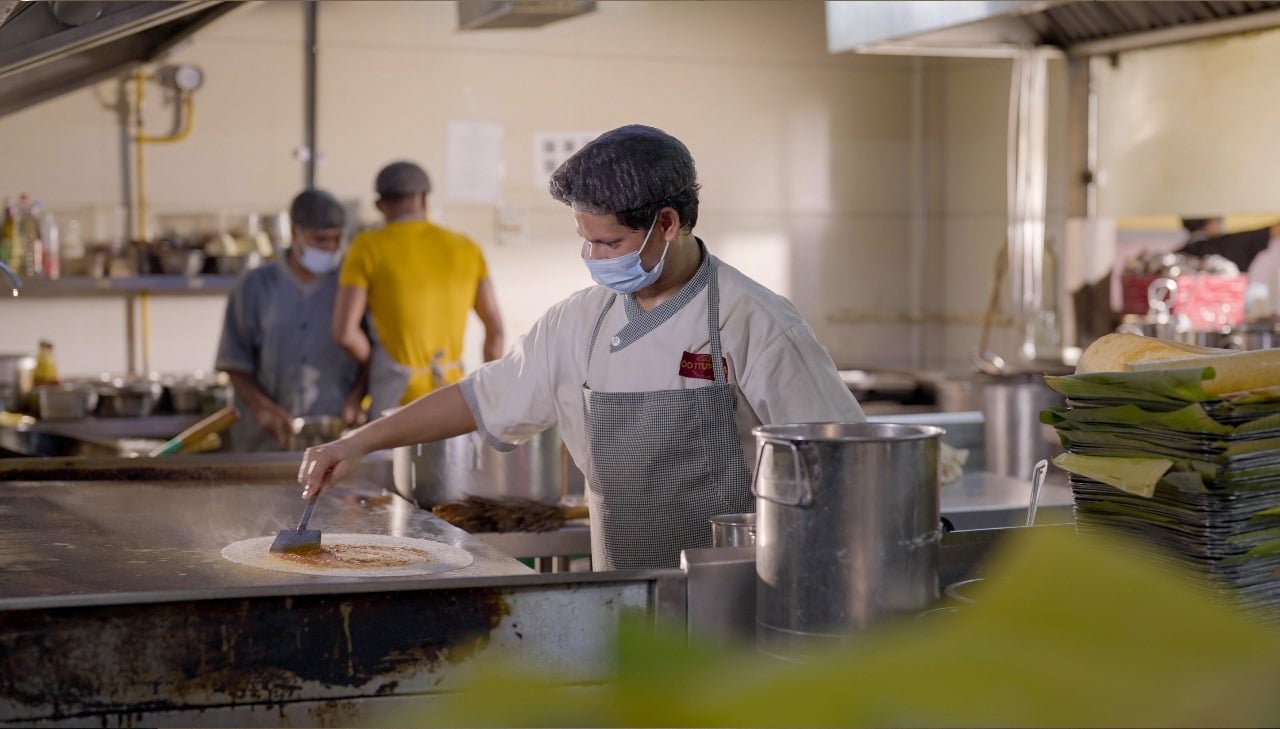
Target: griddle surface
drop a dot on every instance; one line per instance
(111, 539)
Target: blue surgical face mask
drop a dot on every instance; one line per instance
(317, 261)
(625, 274)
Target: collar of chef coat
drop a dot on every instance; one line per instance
(641, 322)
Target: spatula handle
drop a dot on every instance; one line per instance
(306, 514)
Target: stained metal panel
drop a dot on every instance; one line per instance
(1078, 27)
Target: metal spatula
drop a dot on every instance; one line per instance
(301, 539)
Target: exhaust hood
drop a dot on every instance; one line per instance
(50, 48)
(1001, 29)
(478, 14)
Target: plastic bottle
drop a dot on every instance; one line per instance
(46, 372)
(9, 234)
(52, 264)
(6, 234)
(31, 260)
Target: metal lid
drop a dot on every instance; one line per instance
(844, 432)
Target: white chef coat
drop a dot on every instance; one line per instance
(780, 373)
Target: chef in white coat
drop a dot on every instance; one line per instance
(655, 376)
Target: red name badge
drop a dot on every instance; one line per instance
(699, 366)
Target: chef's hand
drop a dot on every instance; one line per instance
(274, 420)
(325, 465)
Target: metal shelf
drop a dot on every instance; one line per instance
(83, 286)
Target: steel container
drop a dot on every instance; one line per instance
(847, 529)
(313, 430)
(733, 530)
(1013, 437)
(453, 468)
(17, 378)
(1253, 336)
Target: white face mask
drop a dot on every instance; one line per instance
(625, 274)
(317, 261)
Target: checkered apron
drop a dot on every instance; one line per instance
(662, 463)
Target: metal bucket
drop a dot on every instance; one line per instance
(847, 529)
(451, 469)
(733, 530)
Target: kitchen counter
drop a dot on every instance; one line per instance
(984, 500)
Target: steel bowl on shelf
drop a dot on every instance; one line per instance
(67, 401)
(184, 396)
(131, 399)
(313, 430)
(187, 262)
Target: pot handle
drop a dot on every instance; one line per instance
(805, 487)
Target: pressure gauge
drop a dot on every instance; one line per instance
(183, 76)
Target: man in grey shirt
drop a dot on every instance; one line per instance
(276, 343)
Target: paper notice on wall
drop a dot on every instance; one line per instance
(474, 163)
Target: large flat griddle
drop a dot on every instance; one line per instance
(125, 529)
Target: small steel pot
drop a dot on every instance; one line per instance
(184, 397)
(66, 401)
(129, 400)
(733, 530)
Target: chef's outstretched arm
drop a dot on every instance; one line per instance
(435, 416)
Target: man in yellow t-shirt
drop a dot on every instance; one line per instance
(418, 282)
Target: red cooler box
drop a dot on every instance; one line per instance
(1209, 301)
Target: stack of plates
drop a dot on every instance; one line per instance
(1208, 497)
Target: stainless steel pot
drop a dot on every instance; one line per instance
(135, 399)
(17, 378)
(847, 529)
(450, 469)
(69, 400)
(733, 530)
(1013, 437)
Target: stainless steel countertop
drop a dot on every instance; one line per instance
(165, 536)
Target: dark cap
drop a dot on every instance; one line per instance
(317, 209)
(1199, 223)
(625, 169)
(401, 179)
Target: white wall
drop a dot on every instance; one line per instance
(1190, 129)
(808, 161)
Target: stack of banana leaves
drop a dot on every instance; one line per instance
(1158, 450)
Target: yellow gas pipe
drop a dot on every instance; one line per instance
(140, 198)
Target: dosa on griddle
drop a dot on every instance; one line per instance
(354, 555)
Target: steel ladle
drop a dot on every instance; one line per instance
(1037, 481)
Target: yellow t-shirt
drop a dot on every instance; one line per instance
(421, 281)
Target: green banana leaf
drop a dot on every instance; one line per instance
(1156, 386)
(1189, 419)
(1135, 475)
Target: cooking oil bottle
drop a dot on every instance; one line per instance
(8, 232)
(46, 372)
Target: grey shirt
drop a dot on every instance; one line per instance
(279, 330)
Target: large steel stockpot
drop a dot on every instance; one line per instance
(450, 469)
(847, 529)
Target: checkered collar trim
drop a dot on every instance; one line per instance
(641, 322)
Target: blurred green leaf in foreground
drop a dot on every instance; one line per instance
(1070, 631)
